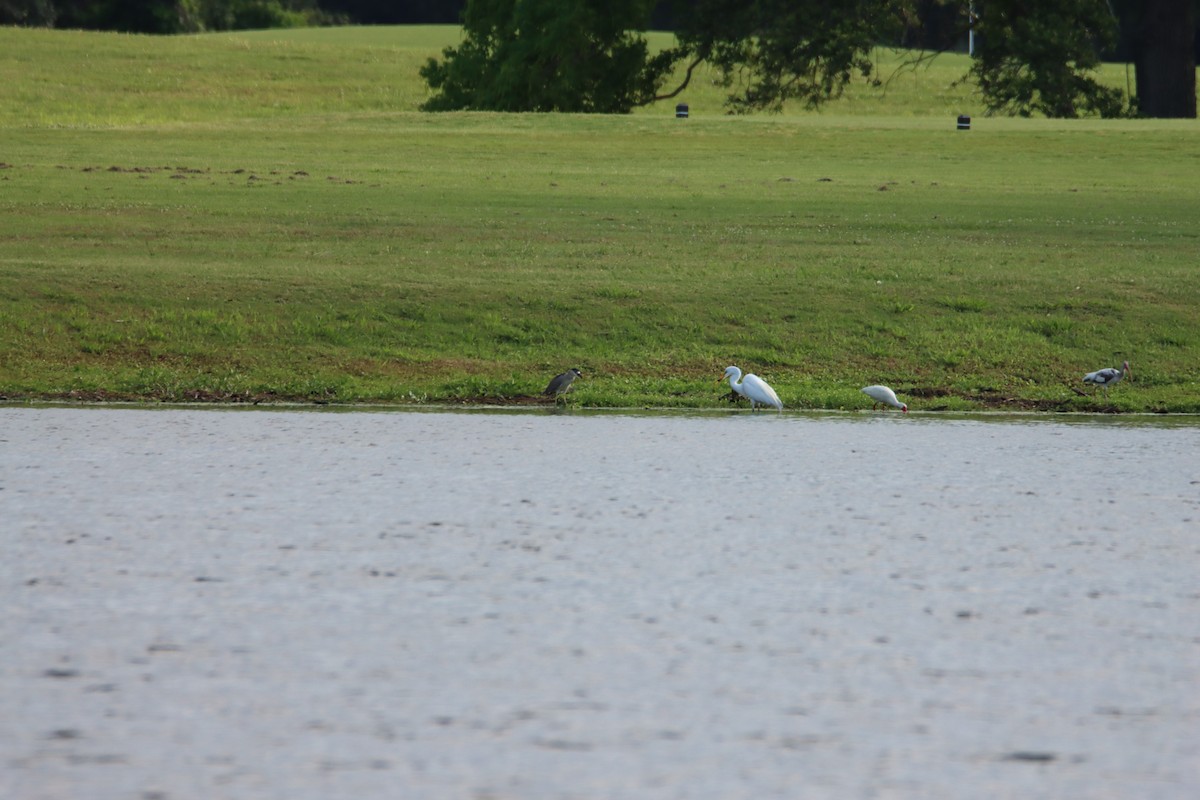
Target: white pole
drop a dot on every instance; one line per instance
(971, 30)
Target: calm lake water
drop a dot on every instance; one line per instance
(495, 604)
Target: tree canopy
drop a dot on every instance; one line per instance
(772, 51)
(165, 16)
(547, 55)
(1040, 57)
(581, 55)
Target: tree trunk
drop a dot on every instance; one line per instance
(1165, 60)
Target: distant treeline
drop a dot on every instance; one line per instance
(189, 16)
(938, 24)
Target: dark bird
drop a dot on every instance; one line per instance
(1107, 377)
(561, 384)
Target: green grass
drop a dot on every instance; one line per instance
(265, 216)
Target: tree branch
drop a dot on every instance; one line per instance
(686, 80)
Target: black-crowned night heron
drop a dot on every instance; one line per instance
(561, 384)
(1106, 377)
(752, 387)
(882, 394)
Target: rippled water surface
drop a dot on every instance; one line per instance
(299, 604)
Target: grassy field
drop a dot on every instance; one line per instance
(266, 217)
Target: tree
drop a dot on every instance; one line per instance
(232, 15)
(1161, 38)
(28, 12)
(1037, 57)
(397, 12)
(130, 16)
(547, 55)
(163, 16)
(578, 55)
(771, 51)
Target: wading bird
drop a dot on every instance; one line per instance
(561, 384)
(1107, 377)
(752, 387)
(882, 394)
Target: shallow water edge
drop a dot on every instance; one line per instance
(1135, 418)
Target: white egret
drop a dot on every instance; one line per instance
(882, 394)
(561, 384)
(752, 387)
(1107, 377)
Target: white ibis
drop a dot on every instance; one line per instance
(882, 394)
(561, 384)
(752, 387)
(1107, 377)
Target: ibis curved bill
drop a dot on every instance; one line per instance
(1107, 377)
(752, 387)
(882, 394)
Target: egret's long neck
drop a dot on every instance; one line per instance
(733, 382)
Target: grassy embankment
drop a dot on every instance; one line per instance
(266, 216)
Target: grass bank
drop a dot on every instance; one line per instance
(265, 216)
